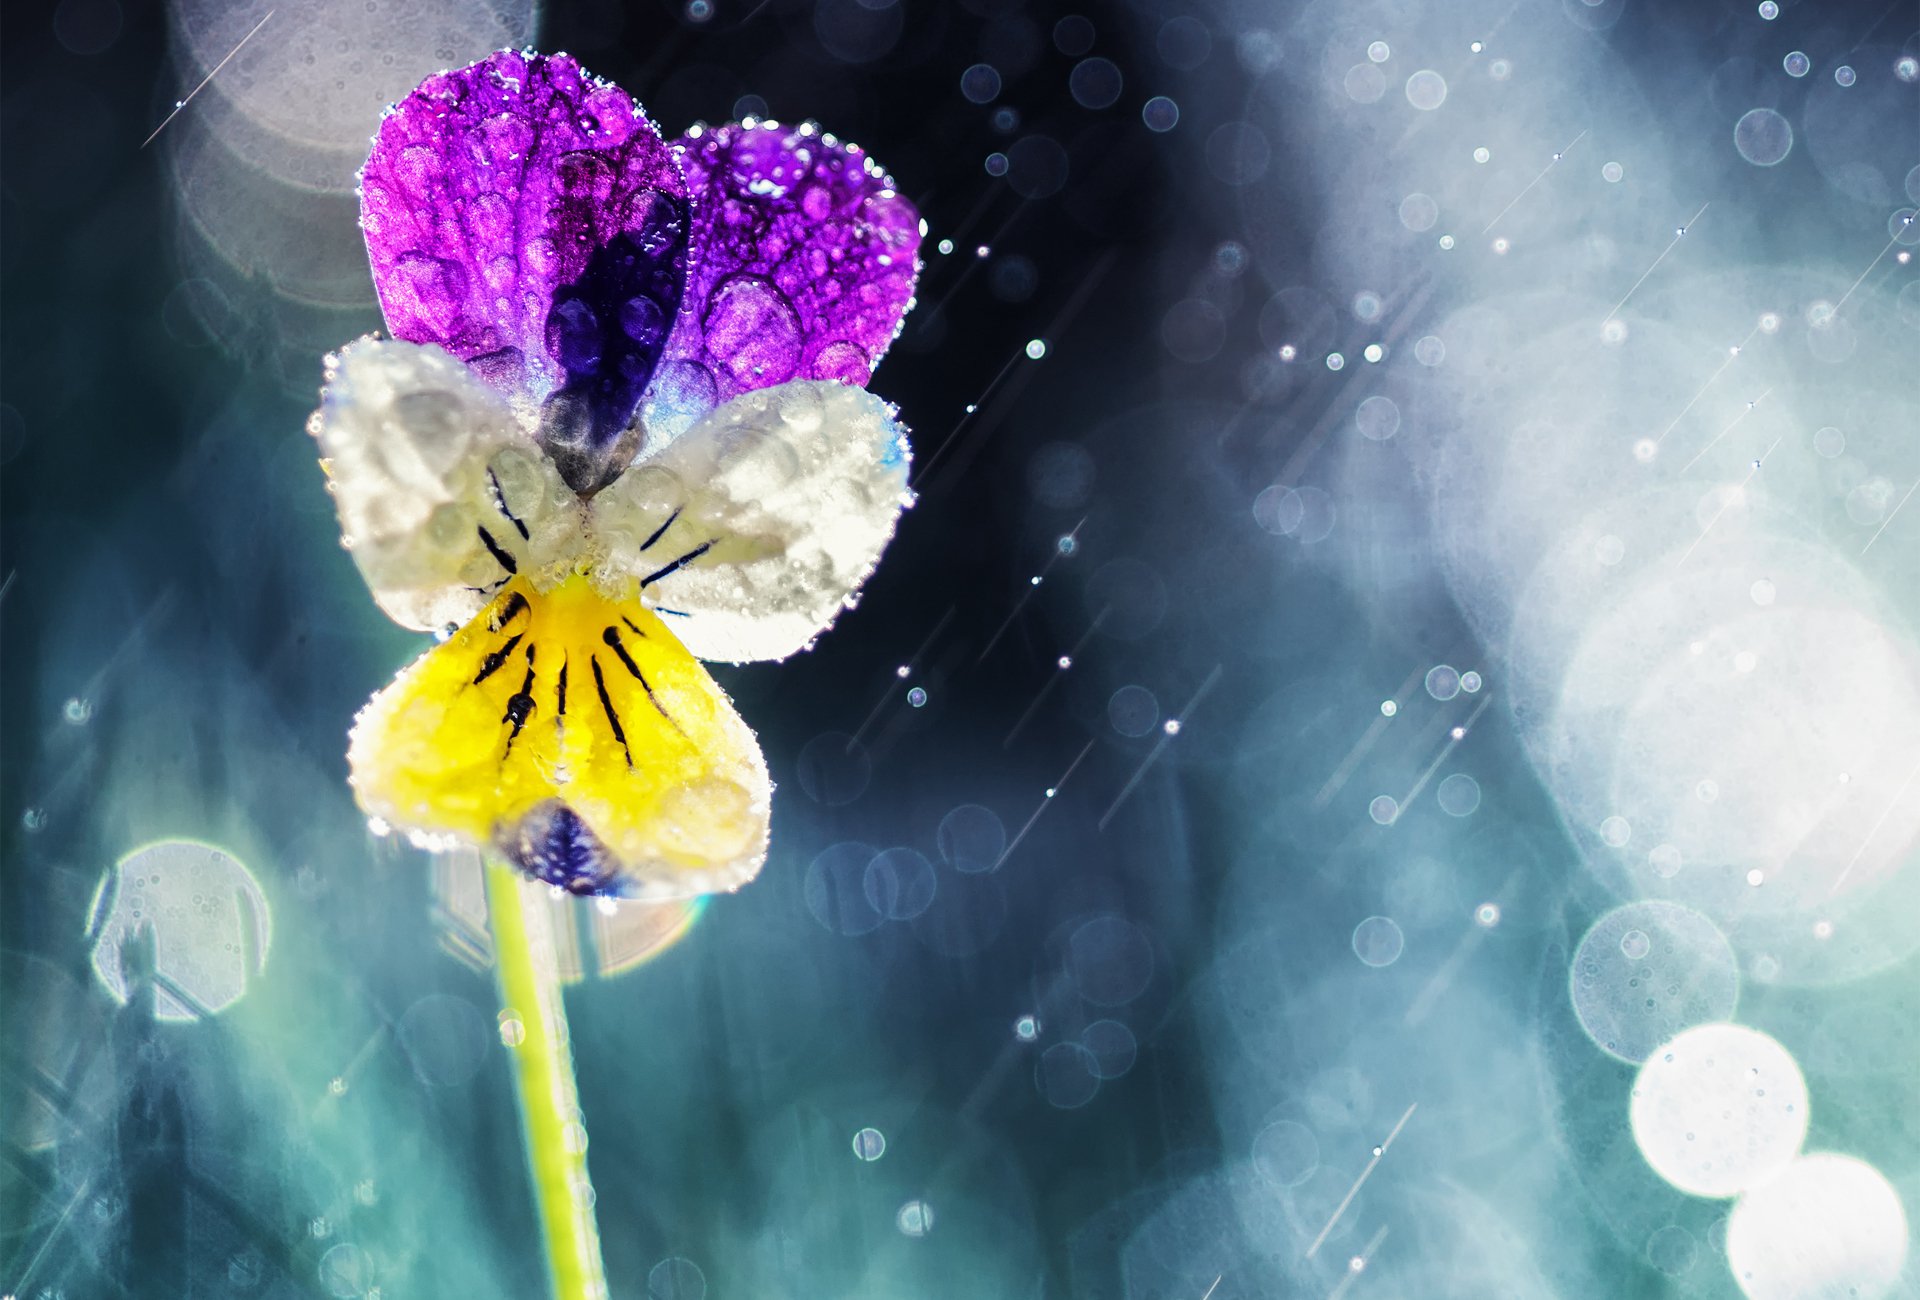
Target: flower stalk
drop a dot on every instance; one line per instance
(533, 1025)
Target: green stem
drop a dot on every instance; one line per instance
(533, 1023)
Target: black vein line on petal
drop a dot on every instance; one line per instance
(562, 711)
(500, 499)
(631, 626)
(612, 638)
(491, 664)
(661, 530)
(519, 707)
(673, 568)
(677, 613)
(515, 605)
(606, 702)
(507, 561)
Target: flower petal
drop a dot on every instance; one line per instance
(754, 529)
(803, 265)
(578, 738)
(442, 497)
(529, 218)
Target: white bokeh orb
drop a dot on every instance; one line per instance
(1827, 1227)
(1719, 1109)
(1648, 970)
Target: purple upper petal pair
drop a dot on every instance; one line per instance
(528, 218)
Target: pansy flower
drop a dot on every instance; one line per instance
(619, 428)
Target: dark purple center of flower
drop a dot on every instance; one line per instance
(606, 330)
(554, 845)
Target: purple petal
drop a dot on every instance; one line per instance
(803, 260)
(528, 218)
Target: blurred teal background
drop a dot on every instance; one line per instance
(1282, 457)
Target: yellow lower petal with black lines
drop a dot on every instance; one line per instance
(577, 737)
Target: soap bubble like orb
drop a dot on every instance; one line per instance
(1388, 708)
(1384, 809)
(1446, 241)
(1487, 915)
(1481, 154)
(1036, 349)
(835, 889)
(1666, 860)
(1797, 64)
(1443, 682)
(1426, 90)
(1769, 10)
(1616, 831)
(1378, 52)
(1612, 172)
(1648, 970)
(1830, 442)
(1501, 245)
(1645, 450)
(915, 1219)
(996, 166)
(1613, 333)
(1458, 795)
(917, 697)
(1844, 75)
(1112, 1046)
(1500, 69)
(1365, 83)
(1160, 114)
(1378, 941)
(1286, 1154)
(1026, 1029)
(1133, 711)
(1335, 361)
(946, 247)
(1470, 682)
(899, 883)
(1907, 68)
(77, 711)
(1373, 352)
(1067, 1076)
(1171, 726)
(1673, 1250)
(1095, 83)
(1430, 351)
(1828, 1225)
(1763, 137)
(980, 83)
(1110, 961)
(1719, 1109)
(1419, 211)
(676, 1278)
(972, 839)
(199, 915)
(869, 1144)
(1378, 418)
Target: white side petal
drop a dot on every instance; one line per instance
(432, 476)
(752, 530)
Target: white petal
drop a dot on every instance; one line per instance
(432, 476)
(759, 524)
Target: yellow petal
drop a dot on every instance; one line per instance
(577, 737)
